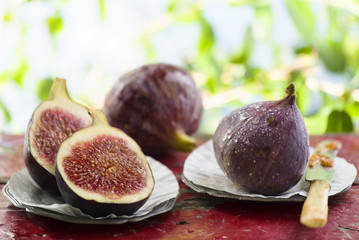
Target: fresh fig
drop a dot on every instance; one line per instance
(264, 147)
(51, 123)
(103, 171)
(158, 105)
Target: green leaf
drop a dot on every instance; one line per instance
(181, 11)
(246, 49)
(353, 108)
(43, 89)
(54, 24)
(172, 5)
(213, 71)
(304, 50)
(8, 16)
(206, 39)
(190, 16)
(303, 18)
(7, 114)
(211, 84)
(102, 8)
(20, 72)
(339, 122)
(303, 98)
(248, 2)
(149, 48)
(332, 55)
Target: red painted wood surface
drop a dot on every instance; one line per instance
(195, 216)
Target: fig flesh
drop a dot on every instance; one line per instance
(103, 171)
(264, 147)
(51, 123)
(158, 105)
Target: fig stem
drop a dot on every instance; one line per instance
(98, 117)
(290, 89)
(290, 98)
(183, 142)
(58, 89)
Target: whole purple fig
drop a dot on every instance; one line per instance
(264, 147)
(158, 105)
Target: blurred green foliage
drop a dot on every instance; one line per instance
(328, 100)
(43, 89)
(327, 104)
(54, 24)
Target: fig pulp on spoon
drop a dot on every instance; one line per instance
(102, 171)
(264, 147)
(51, 123)
(158, 105)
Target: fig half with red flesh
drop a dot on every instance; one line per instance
(103, 171)
(51, 123)
(158, 105)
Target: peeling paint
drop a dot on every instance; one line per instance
(342, 228)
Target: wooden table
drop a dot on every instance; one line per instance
(195, 216)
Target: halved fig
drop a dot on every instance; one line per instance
(51, 123)
(103, 171)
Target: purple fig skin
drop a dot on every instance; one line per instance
(39, 174)
(264, 147)
(92, 208)
(60, 100)
(158, 105)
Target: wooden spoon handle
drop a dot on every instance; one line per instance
(315, 209)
